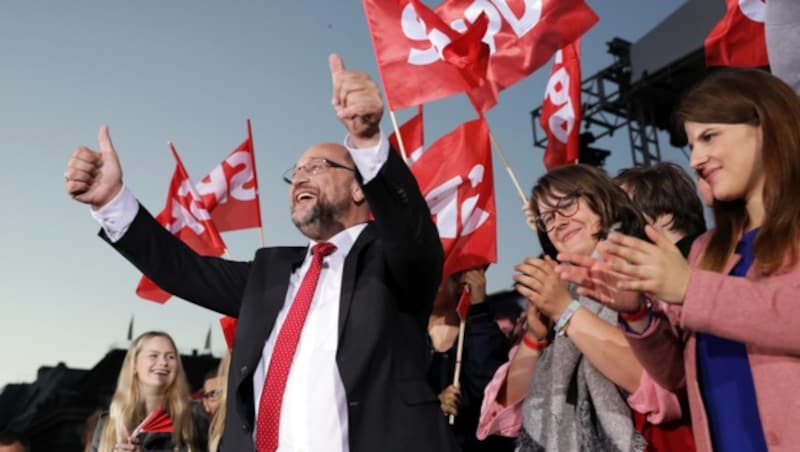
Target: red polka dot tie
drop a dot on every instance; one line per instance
(269, 406)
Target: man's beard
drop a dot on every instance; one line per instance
(322, 217)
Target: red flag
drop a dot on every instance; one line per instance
(186, 217)
(522, 35)
(463, 304)
(413, 137)
(455, 176)
(158, 421)
(230, 190)
(738, 39)
(561, 108)
(466, 52)
(228, 325)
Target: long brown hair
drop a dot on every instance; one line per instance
(128, 407)
(215, 430)
(601, 194)
(756, 98)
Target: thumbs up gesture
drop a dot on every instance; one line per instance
(357, 103)
(92, 177)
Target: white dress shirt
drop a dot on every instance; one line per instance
(314, 408)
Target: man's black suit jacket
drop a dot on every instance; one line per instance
(389, 280)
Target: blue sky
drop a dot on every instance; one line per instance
(191, 72)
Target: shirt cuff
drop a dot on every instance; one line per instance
(369, 161)
(117, 215)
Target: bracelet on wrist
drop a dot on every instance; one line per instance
(532, 344)
(634, 316)
(566, 315)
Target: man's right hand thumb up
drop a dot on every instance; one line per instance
(92, 177)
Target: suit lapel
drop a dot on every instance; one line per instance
(349, 274)
(276, 272)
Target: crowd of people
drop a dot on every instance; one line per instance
(636, 328)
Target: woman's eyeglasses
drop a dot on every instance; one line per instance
(566, 206)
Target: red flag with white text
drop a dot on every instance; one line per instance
(455, 176)
(413, 134)
(230, 190)
(561, 108)
(739, 38)
(187, 218)
(521, 35)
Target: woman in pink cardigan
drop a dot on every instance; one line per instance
(730, 331)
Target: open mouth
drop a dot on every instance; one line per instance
(304, 197)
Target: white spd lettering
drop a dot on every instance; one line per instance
(562, 121)
(216, 185)
(443, 203)
(182, 218)
(497, 11)
(755, 10)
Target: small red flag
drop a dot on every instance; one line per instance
(158, 421)
(463, 304)
(228, 325)
(230, 190)
(739, 39)
(186, 217)
(561, 108)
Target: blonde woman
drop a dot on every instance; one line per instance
(151, 377)
(218, 420)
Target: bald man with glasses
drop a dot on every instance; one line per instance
(330, 348)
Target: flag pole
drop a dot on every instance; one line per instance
(255, 177)
(399, 137)
(459, 351)
(501, 154)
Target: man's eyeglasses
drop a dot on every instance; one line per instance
(566, 206)
(313, 167)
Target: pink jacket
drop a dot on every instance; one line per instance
(763, 313)
(650, 399)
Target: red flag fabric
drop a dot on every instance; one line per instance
(413, 134)
(739, 39)
(561, 108)
(158, 421)
(186, 217)
(521, 35)
(463, 304)
(466, 52)
(455, 176)
(230, 190)
(228, 325)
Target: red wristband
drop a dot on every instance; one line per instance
(533, 345)
(634, 316)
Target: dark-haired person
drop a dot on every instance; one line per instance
(485, 349)
(731, 334)
(667, 197)
(568, 395)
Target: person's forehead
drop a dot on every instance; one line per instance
(325, 151)
(157, 343)
(550, 198)
(211, 383)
